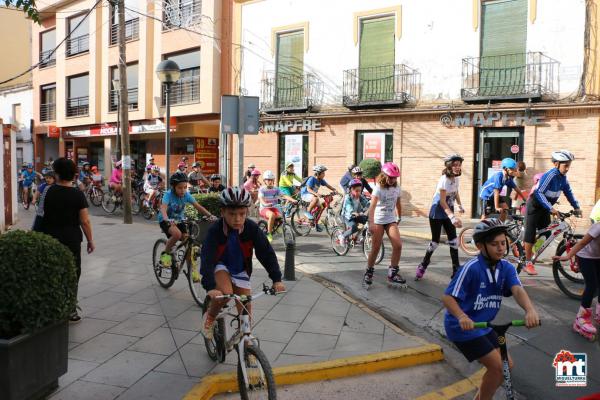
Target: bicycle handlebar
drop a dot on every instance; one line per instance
(246, 298)
(515, 322)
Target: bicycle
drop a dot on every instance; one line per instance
(111, 200)
(187, 251)
(363, 236)
(149, 212)
(302, 225)
(254, 372)
(280, 226)
(95, 194)
(500, 330)
(30, 191)
(515, 231)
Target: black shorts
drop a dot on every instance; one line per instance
(488, 207)
(165, 225)
(537, 218)
(476, 348)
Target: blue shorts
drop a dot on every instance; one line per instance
(27, 184)
(288, 191)
(476, 348)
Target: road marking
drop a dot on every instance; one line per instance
(459, 388)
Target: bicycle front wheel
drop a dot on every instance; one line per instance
(109, 203)
(135, 204)
(466, 243)
(339, 247)
(568, 281)
(164, 276)
(96, 196)
(261, 383)
(368, 245)
(300, 223)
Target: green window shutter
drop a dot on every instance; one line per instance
(503, 47)
(289, 72)
(376, 59)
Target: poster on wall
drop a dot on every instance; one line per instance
(293, 151)
(207, 154)
(373, 146)
(82, 155)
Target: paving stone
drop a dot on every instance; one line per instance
(266, 302)
(336, 308)
(356, 343)
(330, 295)
(288, 313)
(307, 299)
(316, 322)
(393, 340)
(90, 289)
(160, 386)
(275, 331)
(125, 368)
(190, 320)
(271, 349)
(161, 341)
(309, 286)
(311, 344)
(88, 328)
(359, 320)
(291, 359)
(147, 296)
(103, 300)
(81, 390)
(139, 325)
(169, 307)
(196, 360)
(131, 286)
(119, 312)
(102, 348)
(173, 365)
(76, 369)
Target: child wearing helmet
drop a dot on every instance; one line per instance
(384, 215)
(49, 180)
(85, 174)
(269, 197)
(354, 209)
(475, 295)
(196, 177)
(491, 196)
(97, 178)
(152, 184)
(310, 191)
(253, 184)
(28, 178)
(215, 184)
(172, 212)
(287, 178)
(357, 173)
(227, 253)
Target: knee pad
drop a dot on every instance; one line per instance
(432, 246)
(453, 243)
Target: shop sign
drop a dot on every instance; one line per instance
(154, 126)
(53, 131)
(491, 119)
(298, 125)
(207, 154)
(373, 145)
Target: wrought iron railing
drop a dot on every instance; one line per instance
(186, 90)
(381, 85)
(47, 58)
(132, 31)
(509, 76)
(48, 112)
(284, 91)
(78, 106)
(76, 45)
(132, 99)
(181, 13)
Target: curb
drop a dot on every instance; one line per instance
(326, 370)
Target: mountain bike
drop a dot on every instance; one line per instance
(112, 200)
(254, 372)
(363, 236)
(149, 212)
(95, 194)
(516, 229)
(186, 251)
(281, 226)
(501, 332)
(302, 225)
(29, 198)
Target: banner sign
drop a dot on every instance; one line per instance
(207, 154)
(293, 151)
(373, 146)
(106, 129)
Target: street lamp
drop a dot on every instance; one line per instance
(168, 73)
(116, 84)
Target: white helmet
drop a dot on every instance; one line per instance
(356, 170)
(319, 168)
(235, 197)
(268, 175)
(562, 156)
(155, 168)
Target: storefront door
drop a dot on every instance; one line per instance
(492, 146)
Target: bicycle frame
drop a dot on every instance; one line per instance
(554, 229)
(317, 211)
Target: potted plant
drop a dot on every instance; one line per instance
(211, 202)
(371, 168)
(37, 295)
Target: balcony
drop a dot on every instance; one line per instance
(47, 112)
(186, 90)
(380, 86)
(47, 59)
(132, 99)
(181, 13)
(78, 45)
(290, 92)
(132, 31)
(78, 106)
(520, 76)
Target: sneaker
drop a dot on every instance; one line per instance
(74, 318)
(530, 269)
(308, 215)
(269, 237)
(208, 327)
(166, 260)
(195, 276)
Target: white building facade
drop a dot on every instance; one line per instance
(16, 108)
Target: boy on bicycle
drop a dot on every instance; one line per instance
(545, 195)
(475, 295)
(287, 178)
(491, 198)
(172, 212)
(310, 191)
(354, 209)
(269, 196)
(226, 255)
(152, 184)
(28, 179)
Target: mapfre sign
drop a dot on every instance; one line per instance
(490, 119)
(298, 125)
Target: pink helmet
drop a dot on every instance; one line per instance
(255, 172)
(391, 170)
(182, 165)
(537, 177)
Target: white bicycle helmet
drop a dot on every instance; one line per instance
(235, 197)
(357, 170)
(155, 168)
(319, 168)
(268, 175)
(562, 156)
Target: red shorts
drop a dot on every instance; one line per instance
(275, 210)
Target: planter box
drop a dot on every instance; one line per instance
(31, 364)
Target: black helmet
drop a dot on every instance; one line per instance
(214, 177)
(449, 159)
(196, 164)
(49, 172)
(488, 227)
(178, 177)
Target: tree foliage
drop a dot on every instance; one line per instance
(28, 6)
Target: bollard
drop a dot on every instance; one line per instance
(289, 273)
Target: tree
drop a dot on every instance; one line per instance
(28, 6)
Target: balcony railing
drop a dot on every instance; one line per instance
(384, 85)
(290, 92)
(186, 90)
(79, 44)
(132, 99)
(48, 112)
(132, 31)
(511, 76)
(78, 106)
(47, 58)
(181, 13)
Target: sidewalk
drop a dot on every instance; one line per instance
(138, 341)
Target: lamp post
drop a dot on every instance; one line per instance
(116, 86)
(168, 73)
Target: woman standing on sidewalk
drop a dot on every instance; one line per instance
(384, 215)
(441, 213)
(64, 213)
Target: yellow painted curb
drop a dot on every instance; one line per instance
(333, 369)
(459, 388)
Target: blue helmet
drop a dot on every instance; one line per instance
(509, 163)
(29, 166)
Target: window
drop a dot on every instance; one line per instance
(47, 45)
(132, 87)
(132, 22)
(78, 29)
(294, 148)
(78, 96)
(187, 88)
(16, 115)
(376, 59)
(289, 73)
(48, 103)
(375, 144)
(181, 13)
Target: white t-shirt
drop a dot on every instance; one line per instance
(592, 249)
(385, 210)
(450, 185)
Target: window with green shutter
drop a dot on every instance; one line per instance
(503, 47)
(376, 59)
(289, 73)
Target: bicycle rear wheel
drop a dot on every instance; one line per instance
(300, 223)
(368, 245)
(165, 276)
(261, 383)
(215, 347)
(109, 203)
(339, 248)
(465, 241)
